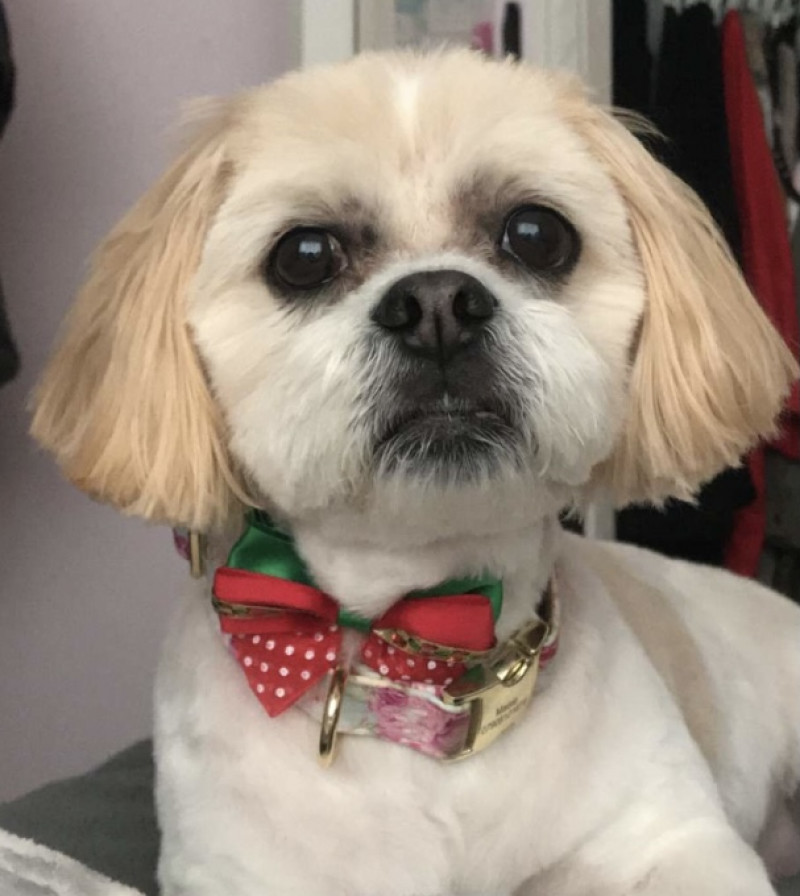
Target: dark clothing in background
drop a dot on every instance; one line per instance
(688, 106)
(767, 254)
(697, 532)
(512, 33)
(6, 72)
(9, 358)
(631, 59)
(768, 265)
(689, 109)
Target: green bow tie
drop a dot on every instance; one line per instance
(266, 549)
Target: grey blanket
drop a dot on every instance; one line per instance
(29, 869)
(104, 821)
(95, 835)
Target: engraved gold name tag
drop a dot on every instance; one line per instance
(495, 704)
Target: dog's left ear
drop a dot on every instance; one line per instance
(709, 373)
(123, 403)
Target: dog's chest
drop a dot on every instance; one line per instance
(395, 820)
(243, 802)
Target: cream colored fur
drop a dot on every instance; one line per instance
(662, 751)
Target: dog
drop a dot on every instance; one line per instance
(406, 310)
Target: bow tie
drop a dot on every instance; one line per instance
(286, 634)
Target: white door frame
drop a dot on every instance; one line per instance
(572, 34)
(325, 31)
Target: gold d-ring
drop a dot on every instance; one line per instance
(330, 717)
(197, 566)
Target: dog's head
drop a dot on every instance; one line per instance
(440, 273)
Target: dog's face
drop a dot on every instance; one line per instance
(409, 275)
(420, 280)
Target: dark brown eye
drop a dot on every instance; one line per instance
(540, 239)
(306, 258)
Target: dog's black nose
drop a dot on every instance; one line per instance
(435, 313)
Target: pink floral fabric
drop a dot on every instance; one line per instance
(405, 717)
(412, 714)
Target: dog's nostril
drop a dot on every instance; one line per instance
(473, 304)
(398, 310)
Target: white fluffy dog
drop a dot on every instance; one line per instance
(413, 307)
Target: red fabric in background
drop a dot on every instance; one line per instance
(768, 265)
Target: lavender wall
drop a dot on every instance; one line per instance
(84, 592)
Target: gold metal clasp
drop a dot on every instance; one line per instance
(403, 640)
(331, 711)
(242, 611)
(497, 692)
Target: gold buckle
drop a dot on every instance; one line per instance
(495, 693)
(331, 711)
(498, 692)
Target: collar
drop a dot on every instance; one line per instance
(430, 673)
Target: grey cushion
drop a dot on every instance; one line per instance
(105, 819)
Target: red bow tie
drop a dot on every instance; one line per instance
(286, 636)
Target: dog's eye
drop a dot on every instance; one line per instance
(306, 258)
(540, 239)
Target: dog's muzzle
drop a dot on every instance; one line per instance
(440, 404)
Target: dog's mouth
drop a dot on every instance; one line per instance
(442, 419)
(452, 437)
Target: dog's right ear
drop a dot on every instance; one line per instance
(710, 372)
(123, 403)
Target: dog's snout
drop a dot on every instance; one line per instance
(435, 313)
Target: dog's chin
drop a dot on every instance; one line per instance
(449, 445)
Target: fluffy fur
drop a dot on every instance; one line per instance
(663, 747)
